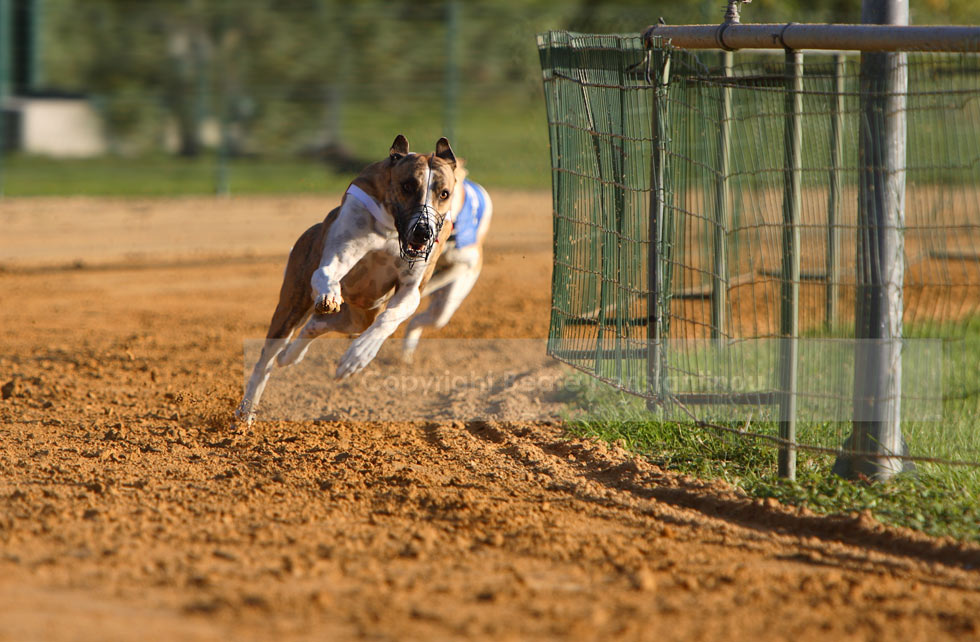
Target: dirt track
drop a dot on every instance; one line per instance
(129, 510)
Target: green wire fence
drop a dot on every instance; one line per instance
(691, 208)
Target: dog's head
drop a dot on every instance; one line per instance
(419, 195)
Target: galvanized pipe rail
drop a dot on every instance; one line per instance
(794, 36)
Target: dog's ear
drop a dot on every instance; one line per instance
(445, 152)
(399, 148)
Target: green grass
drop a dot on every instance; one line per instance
(937, 499)
(160, 175)
(504, 142)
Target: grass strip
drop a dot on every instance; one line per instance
(937, 499)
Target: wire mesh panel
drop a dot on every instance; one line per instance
(599, 111)
(719, 272)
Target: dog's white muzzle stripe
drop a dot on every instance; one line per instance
(372, 206)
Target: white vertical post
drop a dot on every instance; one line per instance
(880, 258)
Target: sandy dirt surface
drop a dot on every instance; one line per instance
(129, 509)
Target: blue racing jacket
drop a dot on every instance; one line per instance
(468, 220)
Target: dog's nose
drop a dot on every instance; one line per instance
(421, 234)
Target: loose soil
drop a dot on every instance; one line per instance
(130, 509)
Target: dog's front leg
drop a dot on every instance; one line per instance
(342, 250)
(364, 348)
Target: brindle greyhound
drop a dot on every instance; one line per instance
(362, 271)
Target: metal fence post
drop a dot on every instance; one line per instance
(834, 192)
(880, 258)
(658, 195)
(452, 68)
(6, 33)
(36, 8)
(790, 295)
(220, 65)
(719, 277)
(222, 185)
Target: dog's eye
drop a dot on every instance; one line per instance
(444, 194)
(408, 187)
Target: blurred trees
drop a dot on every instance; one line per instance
(278, 72)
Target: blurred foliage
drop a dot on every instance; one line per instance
(281, 74)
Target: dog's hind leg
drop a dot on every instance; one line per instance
(256, 382)
(295, 304)
(283, 325)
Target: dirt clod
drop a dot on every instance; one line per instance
(12, 388)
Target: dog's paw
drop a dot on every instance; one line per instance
(408, 350)
(244, 414)
(328, 303)
(360, 353)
